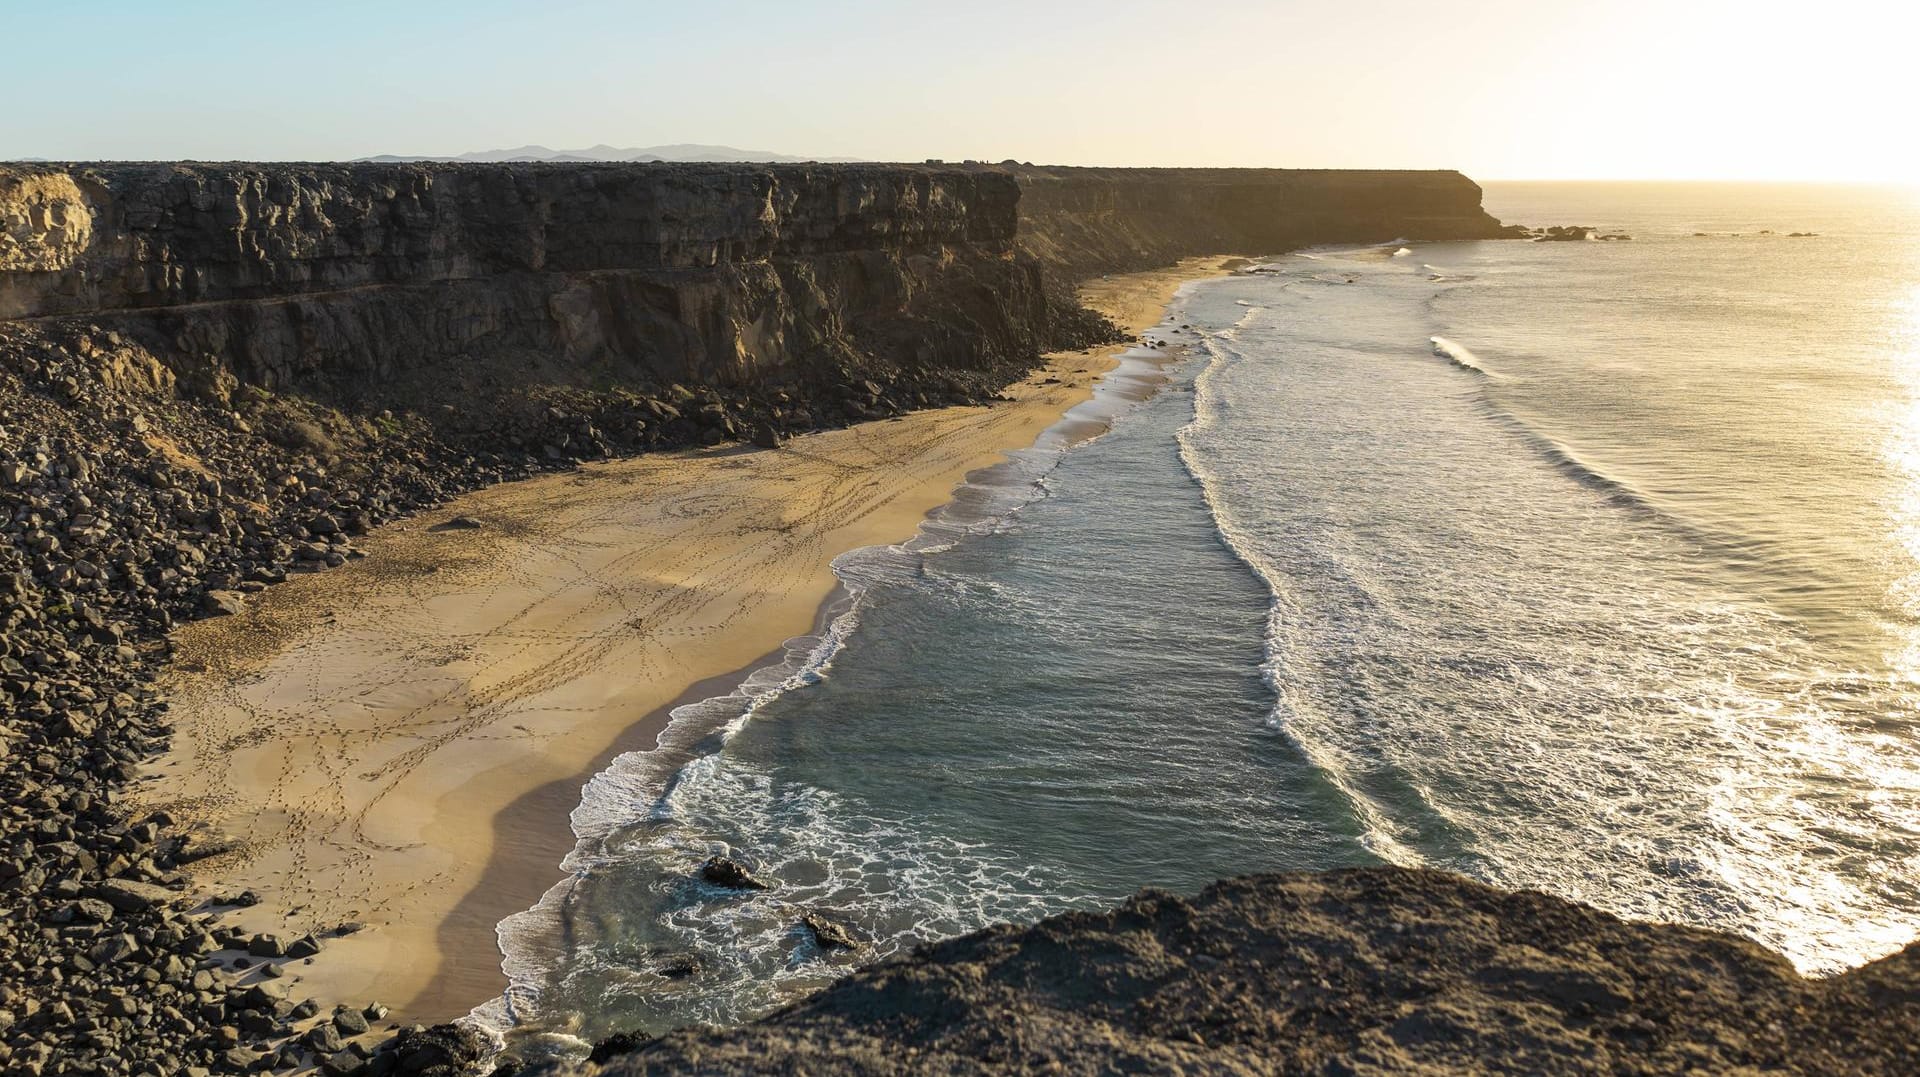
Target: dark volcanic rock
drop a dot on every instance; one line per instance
(729, 874)
(1360, 971)
(620, 1043)
(423, 285)
(827, 934)
(1082, 222)
(222, 603)
(767, 436)
(440, 1051)
(130, 896)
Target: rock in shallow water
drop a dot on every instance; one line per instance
(723, 872)
(440, 1051)
(827, 934)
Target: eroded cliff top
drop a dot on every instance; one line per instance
(1361, 971)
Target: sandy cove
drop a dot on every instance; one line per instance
(398, 742)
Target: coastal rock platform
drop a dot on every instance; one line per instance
(1362, 971)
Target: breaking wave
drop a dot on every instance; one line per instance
(643, 817)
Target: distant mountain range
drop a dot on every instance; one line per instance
(683, 151)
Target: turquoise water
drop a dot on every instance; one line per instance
(1585, 567)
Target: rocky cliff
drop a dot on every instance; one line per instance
(1378, 971)
(406, 284)
(401, 282)
(1085, 221)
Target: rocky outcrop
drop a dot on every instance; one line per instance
(1371, 971)
(1085, 221)
(44, 227)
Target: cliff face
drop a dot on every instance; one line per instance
(334, 279)
(1084, 221)
(413, 283)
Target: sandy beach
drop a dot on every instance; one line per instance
(397, 743)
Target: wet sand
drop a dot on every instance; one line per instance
(398, 742)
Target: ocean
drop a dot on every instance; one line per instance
(1590, 567)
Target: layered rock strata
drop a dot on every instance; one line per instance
(1085, 221)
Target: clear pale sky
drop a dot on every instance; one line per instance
(1817, 89)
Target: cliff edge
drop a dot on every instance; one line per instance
(1366, 971)
(1081, 222)
(372, 285)
(411, 285)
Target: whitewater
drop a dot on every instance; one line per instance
(1583, 567)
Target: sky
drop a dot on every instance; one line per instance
(1501, 89)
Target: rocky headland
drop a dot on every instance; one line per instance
(1365, 971)
(1082, 222)
(217, 376)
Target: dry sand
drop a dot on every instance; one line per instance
(398, 742)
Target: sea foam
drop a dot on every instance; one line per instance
(647, 791)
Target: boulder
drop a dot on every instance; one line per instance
(350, 1022)
(129, 896)
(92, 911)
(620, 1043)
(730, 875)
(440, 1051)
(221, 603)
(323, 1040)
(827, 934)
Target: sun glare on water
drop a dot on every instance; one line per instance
(1903, 451)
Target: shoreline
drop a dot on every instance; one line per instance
(398, 743)
(678, 738)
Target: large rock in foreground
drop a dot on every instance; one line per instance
(1348, 972)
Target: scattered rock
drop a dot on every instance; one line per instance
(679, 968)
(620, 1043)
(725, 873)
(766, 436)
(222, 603)
(92, 911)
(350, 1022)
(827, 934)
(130, 896)
(324, 1040)
(440, 1051)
